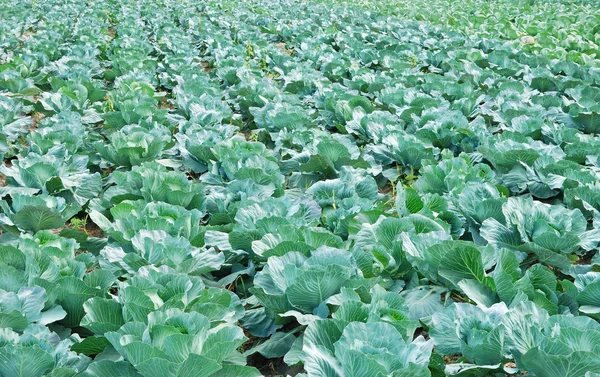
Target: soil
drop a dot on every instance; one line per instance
(206, 66)
(35, 120)
(93, 230)
(165, 104)
(451, 359)
(273, 367)
(282, 47)
(268, 367)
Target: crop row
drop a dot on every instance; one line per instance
(556, 28)
(188, 185)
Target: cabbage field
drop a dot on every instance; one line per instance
(328, 188)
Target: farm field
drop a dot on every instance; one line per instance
(324, 188)
(560, 29)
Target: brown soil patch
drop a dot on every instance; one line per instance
(93, 230)
(273, 367)
(282, 47)
(206, 66)
(35, 120)
(451, 359)
(57, 230)
(165, 104)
